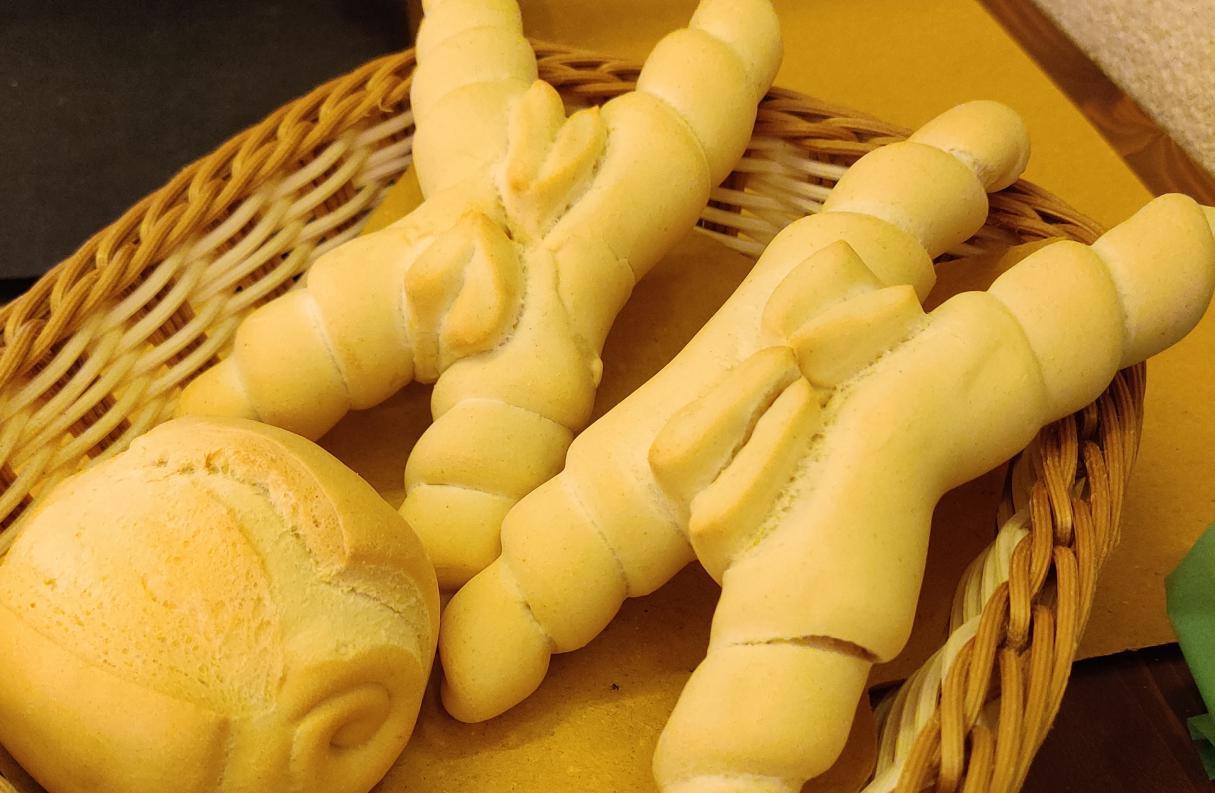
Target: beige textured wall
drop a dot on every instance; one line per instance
(1161, 52)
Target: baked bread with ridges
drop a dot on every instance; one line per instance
(615, 522)
(502, 286)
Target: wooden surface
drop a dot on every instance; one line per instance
(1122, 729)
(1122, 724)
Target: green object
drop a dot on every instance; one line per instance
(1191, 602)
(1202, 731)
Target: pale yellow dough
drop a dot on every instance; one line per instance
(615, 522)
(798, 444)
(223, 608)
(502, 286)
(828, 570)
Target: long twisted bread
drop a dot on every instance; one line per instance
(614, 523)
(503, 285)
(804, 476)
(820, 574)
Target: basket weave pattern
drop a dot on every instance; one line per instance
(96, 352)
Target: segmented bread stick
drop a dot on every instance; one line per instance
(803, 473)
(502, 286)
(820, 574)
(615, 522)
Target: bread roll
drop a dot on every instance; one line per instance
(820, 579)
(502, 286)
(614, 523)
(223, 607)
(798, 445)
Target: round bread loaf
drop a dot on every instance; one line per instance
(223, 607)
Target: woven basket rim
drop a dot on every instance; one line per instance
(543, 48)
(956, 748)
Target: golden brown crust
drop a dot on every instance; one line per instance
(228, 585)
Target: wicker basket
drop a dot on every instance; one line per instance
(96, 352)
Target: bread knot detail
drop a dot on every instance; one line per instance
(549, 159)
(463, 293)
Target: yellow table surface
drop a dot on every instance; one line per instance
(593, 724)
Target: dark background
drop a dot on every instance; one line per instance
(102, 102)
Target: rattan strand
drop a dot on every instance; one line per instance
(96, 352)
